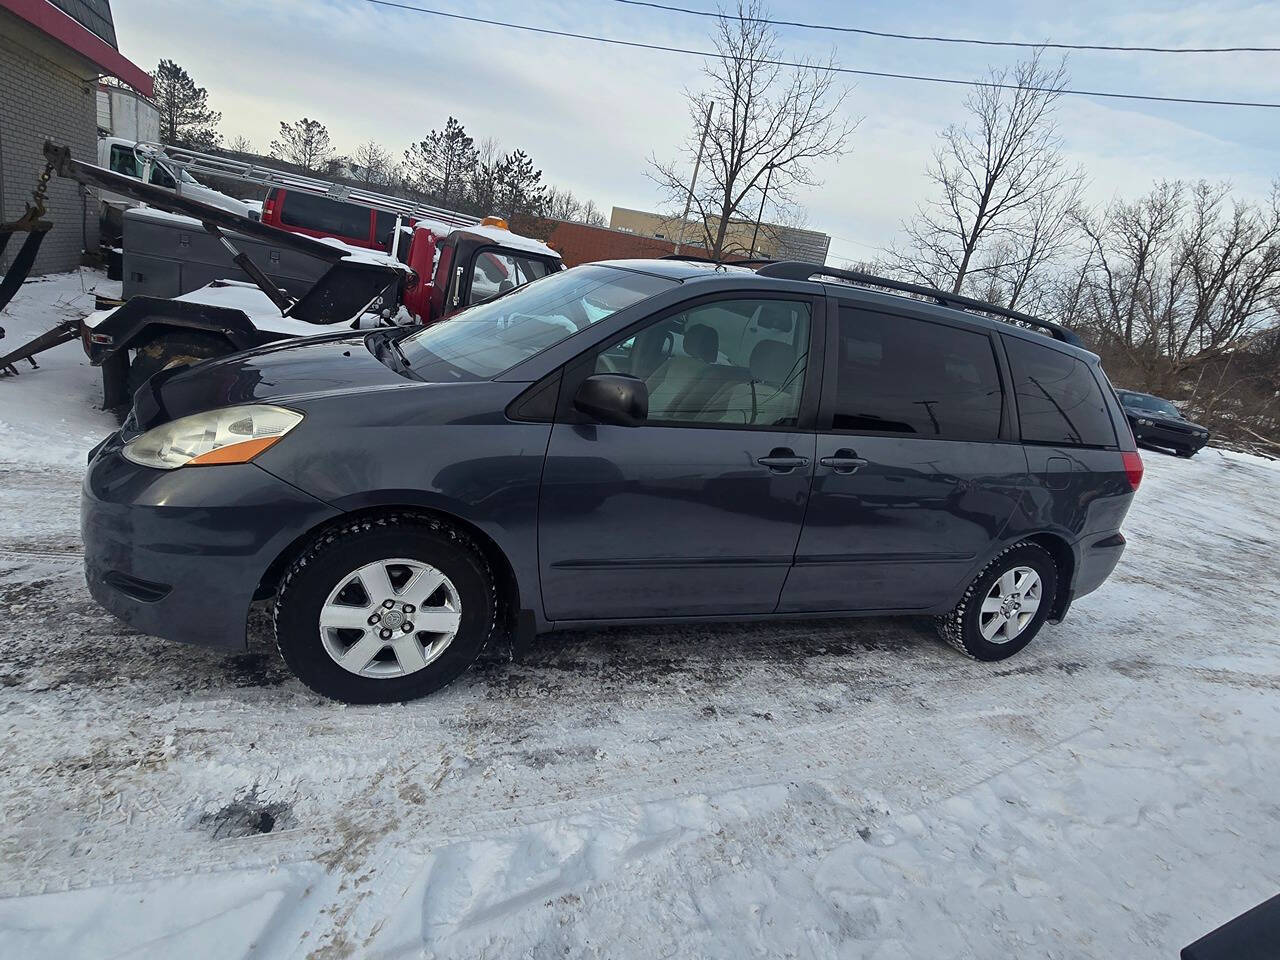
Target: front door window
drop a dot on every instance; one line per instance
(729, 363)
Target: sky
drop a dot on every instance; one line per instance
(592, 115)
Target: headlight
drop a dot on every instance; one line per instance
(227, 435)
(1143, 422)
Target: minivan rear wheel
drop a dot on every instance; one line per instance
(385, 609)
(1005, 605)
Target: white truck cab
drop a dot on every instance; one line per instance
(149, 163)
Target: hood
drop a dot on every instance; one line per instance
(270, 374)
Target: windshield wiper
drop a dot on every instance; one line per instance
(400, 361)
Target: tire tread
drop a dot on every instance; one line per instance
(398, 521)
(950, 626)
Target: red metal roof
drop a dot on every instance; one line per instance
(51, 21)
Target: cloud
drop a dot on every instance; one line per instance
(592, 115)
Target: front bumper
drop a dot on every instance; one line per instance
(179, 554)
(1160, 436)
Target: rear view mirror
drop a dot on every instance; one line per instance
(613, 398)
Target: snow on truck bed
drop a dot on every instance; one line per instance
(790, 789)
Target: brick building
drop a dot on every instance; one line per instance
(52, 53)
(580, 243)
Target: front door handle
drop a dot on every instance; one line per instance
(782, 460)
(844, 461)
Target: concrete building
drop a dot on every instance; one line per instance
(52, 53)
(772, 240)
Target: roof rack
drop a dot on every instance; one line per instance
(691, 258)
(798, 270)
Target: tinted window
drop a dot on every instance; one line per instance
(311, 212)
(384, 225)
(161, 178)
(899, 375)
(731, 362)
(1059, 401)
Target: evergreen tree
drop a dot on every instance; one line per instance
(441, 164)
(306, 143)
(185, 117)
(517, 187)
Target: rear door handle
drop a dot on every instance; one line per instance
(782, 460)
(844, 461)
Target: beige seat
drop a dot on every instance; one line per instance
(771, 396)
(671, 384)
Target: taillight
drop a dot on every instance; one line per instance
(1133, 467)
(269, 207)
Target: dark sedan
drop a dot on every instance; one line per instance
(1158, 423)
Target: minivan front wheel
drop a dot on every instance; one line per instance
(1005, 605)
(384, 609)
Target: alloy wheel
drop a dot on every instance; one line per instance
(390, 618)
(1010, 605)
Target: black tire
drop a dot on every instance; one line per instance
(184, 346)
(1183, 452)
(961, 627)
(323, 564)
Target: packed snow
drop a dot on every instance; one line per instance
(848, 789)
(498, 235)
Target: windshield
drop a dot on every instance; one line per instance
(484, 340)
(1141, 401)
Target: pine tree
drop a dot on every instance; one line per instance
(305, 142)
(518, 188)
(185, 117)
(441, 164)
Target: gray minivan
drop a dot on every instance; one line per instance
(625, 442)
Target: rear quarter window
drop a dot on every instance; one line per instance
(1059, 399)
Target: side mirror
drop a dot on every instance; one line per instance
(613, 398)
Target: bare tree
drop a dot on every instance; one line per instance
(563, 205)
(770, 124)
(371, 164)
(305, 143)
(241, 144)
(1005, 191)
(1180, 278)
(483, 175)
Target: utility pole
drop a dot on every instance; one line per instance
(706, 126)
(760, 216)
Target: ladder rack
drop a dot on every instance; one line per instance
(213, 165)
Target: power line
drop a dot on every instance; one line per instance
(912, 36)
(547, 31)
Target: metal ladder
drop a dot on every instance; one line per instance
(212, 165)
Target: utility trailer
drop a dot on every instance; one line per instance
(441, 269)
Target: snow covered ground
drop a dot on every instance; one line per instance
(798, 790)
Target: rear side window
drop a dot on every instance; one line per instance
(1059, 400)
(311, 212)
(905, 376)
